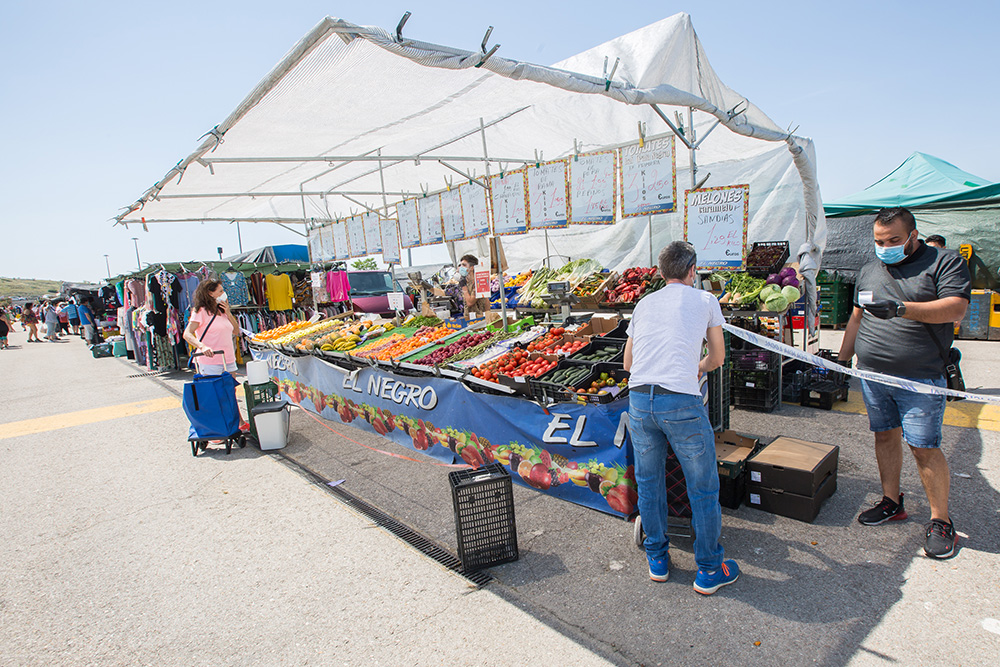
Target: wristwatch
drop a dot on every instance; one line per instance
(900, 309)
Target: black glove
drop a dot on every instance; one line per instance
(884, 310)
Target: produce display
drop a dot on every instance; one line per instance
(766, 255)
(421, 321)
(518, 280)
(569, 376)
(606, 353)
(291, 332)
(568, 347)
(464, 343)
(634, 284)
(531, 293)
(346, 338)
(476, 350)
(553, 337)
(514, 364)
(589, 286)
(774, 294)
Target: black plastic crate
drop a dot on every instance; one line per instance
(618, 333)
(838, 378)
(732, 491)
(565, 363)
(759, 398)
(719, 398)
(823, 394)
(753, 358)
(756, 267)
(256, 394)
(484, 516)
(600, 344)
(546, 392)
(794, 377)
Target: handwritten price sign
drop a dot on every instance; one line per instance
(342, 249)
(452, 218)
(328, 250)
(356, 236)
(315, 246)
(390, 242)
(475, 210)
(429, 212)
(715, 223)
(548, 186)
(409, 228)
(373, 233)
(510, 206)
(648, 178)
(593, 188)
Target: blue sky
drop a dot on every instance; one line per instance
(98, 100)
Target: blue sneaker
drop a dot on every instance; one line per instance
(707, 583)
(658, 568)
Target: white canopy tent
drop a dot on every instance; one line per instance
(356, 118)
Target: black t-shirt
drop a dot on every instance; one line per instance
(899, 346)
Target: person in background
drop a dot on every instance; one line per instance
(51, 321)
(5, 327)
(467, 286)
(905, 300)
(63, 318)
(936, 240)
(212, 330)
(29, 318)
(86, 320)
(666, 410)
(74, 316)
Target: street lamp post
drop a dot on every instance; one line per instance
(135, 240)
(107, 263)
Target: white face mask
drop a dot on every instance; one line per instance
(222, 298)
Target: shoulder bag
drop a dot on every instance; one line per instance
(201, 338)
(951, 357)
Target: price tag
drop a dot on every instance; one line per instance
(754, 476)
(396, 300)
(482, 284)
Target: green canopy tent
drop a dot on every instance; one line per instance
(945, 200)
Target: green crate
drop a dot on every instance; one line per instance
(835, 290)
(255, 395)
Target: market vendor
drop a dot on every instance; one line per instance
(663, 357)
(467, 286)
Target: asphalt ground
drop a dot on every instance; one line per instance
(831, 593)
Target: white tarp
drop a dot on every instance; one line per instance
(347, 90)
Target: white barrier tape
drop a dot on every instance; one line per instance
(801, 355)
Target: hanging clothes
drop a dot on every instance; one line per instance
(279, 291)
(189, 283)
(338, 285)
(303, 292)
(320, 293)
(235, 285)
(258, 289)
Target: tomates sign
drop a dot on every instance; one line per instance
(648, 177)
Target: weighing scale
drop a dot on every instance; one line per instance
(562, 297)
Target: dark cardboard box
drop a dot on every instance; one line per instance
(732, 491)
(731, 452)
(792, 505)
(793, 466)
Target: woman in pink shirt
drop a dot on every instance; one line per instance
(212, 330)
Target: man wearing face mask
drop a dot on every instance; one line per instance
(910, 295)
(467, 286)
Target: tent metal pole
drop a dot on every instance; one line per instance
(362, 205)
(500, 271)
(294, 231)
(465, 174)
(547, 262)
(239, 237)
(670, 124)
(230, 195)
(229, 220)
(385, 204)
(650, 218)
(360, 158)
(691, 147)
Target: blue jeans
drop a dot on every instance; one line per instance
(680, 421)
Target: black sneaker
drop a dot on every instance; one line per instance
(941, 539)
(887, 510)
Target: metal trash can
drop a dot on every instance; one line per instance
(484, 516)
(272, 420)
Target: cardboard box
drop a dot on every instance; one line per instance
(598, 326)
(594, 300)
(732, 451)
(792, 505)
(793, 466)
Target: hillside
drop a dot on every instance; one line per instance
(32, 289)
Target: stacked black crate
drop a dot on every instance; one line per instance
(755, 377)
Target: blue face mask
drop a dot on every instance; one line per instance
(463, 271)
(891, 254)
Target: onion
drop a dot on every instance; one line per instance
(773, 279)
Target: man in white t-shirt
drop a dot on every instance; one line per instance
(666, 410)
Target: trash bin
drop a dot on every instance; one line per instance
(272, 424)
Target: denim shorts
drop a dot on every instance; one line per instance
(920, 415)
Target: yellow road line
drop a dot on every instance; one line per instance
(966, 414)
(70, 419)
